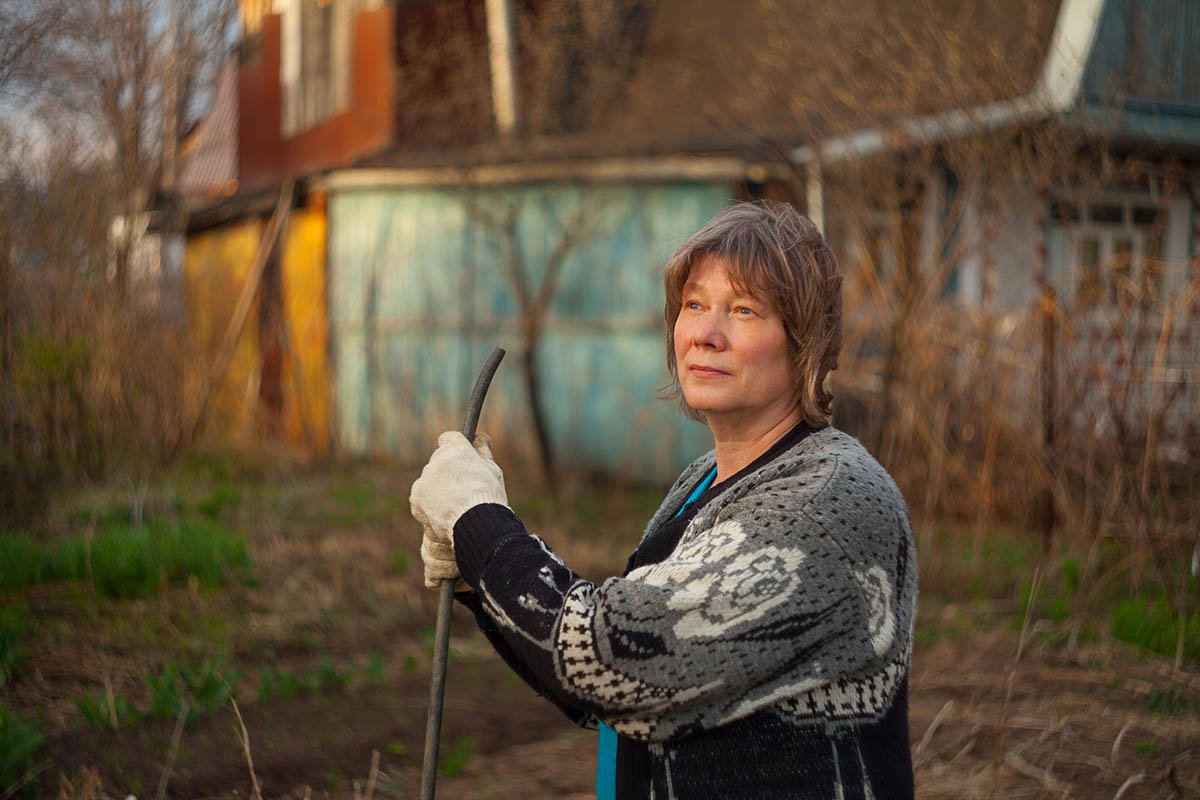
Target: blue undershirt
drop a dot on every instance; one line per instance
(606, 754)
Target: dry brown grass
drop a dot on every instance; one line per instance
(325, 544)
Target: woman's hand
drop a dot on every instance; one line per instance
(458, 477)
(438, 558)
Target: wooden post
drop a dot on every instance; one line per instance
(1047, 308)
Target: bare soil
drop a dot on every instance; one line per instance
(1063, 720)
(1076, 725)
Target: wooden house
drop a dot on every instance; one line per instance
(515, 172)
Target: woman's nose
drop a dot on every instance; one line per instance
(710, 333)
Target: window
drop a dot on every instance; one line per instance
(1115, 248)
(314, 64)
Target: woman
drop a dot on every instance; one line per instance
(759, 643)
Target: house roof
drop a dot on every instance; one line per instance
(776, 72)
(754, 78)
(210, 164)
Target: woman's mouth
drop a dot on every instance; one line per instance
(706, 372)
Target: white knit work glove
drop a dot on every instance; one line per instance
(457, 478)
(438, 558)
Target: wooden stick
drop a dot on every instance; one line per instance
(173, 750)
(244, 737)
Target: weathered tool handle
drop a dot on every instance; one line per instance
(441, 639)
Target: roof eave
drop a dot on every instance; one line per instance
(594, 170)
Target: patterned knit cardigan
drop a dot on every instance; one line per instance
(766, 656)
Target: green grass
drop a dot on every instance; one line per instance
(322, 677)
(947, 571)
(20, 743)
(1053, 602)
(204, 686)
(327, 676)
(585, 509)
(355, 501)
(279, 683)
(220, 500)
(1071, 575)
(937, 621)
(1153, 625)
(1172, 703)
(373, 673)
(455, 761)
(111, 513)
(209, 466)
(14, 623)
(128, 561)
(96, 713)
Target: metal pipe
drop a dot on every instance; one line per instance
(441, 639)
(815, 196)
(502, 54)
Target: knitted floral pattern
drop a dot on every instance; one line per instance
(752, 582)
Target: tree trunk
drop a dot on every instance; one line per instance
(6, 305)
(536, 412)
(1047, 518)
(270, 342)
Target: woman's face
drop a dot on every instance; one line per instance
(731, 352)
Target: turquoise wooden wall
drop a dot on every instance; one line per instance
(418, 296)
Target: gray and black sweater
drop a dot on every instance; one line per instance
(757, 648)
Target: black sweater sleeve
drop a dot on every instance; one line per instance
(485, 528)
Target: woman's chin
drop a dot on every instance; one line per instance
(704, 405)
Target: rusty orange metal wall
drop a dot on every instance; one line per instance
(306, 383)
(217, 264)
(265, 156)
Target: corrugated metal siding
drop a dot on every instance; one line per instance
(418, 297)
(306, 362)
(217, 265)
(1147, 53)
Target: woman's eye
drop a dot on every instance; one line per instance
(691, 304)
(743, 311)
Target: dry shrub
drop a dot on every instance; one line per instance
(1126, 452)
(962, 419)
(90, 379)
(89, 322)
(92, 390)
(944, 390)
(1073, 414)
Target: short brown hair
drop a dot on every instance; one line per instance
(775, 253)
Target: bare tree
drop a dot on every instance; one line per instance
(26, 27)
(534, 278)
(105, 87)
(130, 71)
